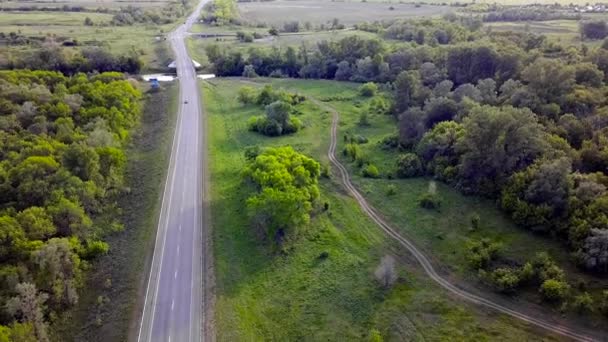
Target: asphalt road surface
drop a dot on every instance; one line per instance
(173, 308)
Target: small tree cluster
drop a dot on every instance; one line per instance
(480, 253)
(278, 120)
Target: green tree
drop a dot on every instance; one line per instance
(286, 190)
(496, 143)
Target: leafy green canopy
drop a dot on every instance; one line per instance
(61, 166)
(286, 189)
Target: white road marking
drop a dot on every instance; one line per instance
(177, 249)
(180, 227)
(175, 275)
(172, 304)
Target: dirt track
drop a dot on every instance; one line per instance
(422, 259)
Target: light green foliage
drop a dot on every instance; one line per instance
(554, 290)
(220, 12)
(247, 95)
(583, 302)
(370, 171)
(286, 190)
(375, 336)
(505, 279)
(61, 167)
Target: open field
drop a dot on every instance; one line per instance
(564, 31)
(33, 18)
(297, 295)
(323, 12)
(87, 4)
(67, 26)
(110, 296)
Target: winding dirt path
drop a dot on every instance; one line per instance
(421, 258)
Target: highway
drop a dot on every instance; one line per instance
(174, 298)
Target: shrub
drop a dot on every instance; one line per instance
(363, 119)
(247, 95)
(370, 171)
(429, 201)
(375, 336)
(251, 152)
(505, 279)
(368, 89)
(408, 165)
(379, 105)
(583, 302)
(361, 160)
(385, 272)
(481, 253)
(554, 290)
(325, 170)
(351, 150)
(391, 190)
(95, 248)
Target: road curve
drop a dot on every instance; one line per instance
(174, 299)
(422, 259)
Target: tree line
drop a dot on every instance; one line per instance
(62, 163)
(53, 57)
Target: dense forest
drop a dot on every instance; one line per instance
(508, 116)
(62, 159)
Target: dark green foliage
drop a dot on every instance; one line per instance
(583, 302)
(481, 253)
(285, 184)
(505, 279)
(408, 165)
(429, 200)
(475, 221)
(62, 166)
(594, 29)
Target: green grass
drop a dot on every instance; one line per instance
(298, 296)
(50, 18)
(60, 26)
(323, 12)
(88, 4)
(118, 278)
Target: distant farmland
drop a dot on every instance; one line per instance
(320, 12)
(88, 4)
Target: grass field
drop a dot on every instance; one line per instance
(109, 299)
(87, 4)
(60, 26)
(322, 12)
(297, 295)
